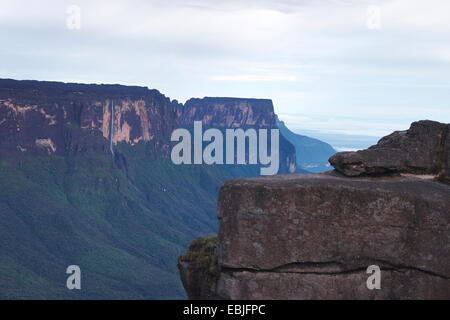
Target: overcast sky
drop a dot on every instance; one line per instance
(342, 66)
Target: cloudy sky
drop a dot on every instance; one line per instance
(331, 66)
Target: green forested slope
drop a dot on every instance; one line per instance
(123, 227)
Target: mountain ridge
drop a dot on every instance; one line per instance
(311, 154)
(123, 218)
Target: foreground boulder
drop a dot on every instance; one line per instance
(314, 236)
(423, 149)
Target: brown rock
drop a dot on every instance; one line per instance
(314, 236)
(447, 152)
(421, 149)
(199, 270)
(199, 284)
(403, 283)
(304, 237)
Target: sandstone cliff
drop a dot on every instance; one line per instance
(224, 113)
(43, 118)
(314, 236)
(55, 118)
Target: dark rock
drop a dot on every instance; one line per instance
(199, 285)
(199, 270)
(423, 149)
(323, 286)
(447, 153)
(244, 113)
(314, 236)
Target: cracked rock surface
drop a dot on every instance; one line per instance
(313, 236)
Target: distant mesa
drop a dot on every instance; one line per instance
(63, 201)
(312, 154)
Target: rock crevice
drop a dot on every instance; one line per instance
(331, 268)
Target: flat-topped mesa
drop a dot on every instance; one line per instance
(232, 113)
(423, 149)
(43, 118)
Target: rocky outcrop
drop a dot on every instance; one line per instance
(199, 270)
(314, 236)
(423, 149)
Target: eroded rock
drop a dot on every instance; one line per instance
(199, 270)
(423, 149)
(314, 236)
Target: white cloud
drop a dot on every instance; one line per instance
(418, 14)
(254, 77)
(315, 58)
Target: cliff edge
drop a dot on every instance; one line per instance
(314, 236)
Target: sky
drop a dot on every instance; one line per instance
(334, 67)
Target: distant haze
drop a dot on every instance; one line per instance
(341, 142)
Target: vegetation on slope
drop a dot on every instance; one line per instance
(202, 254)
(124, 227)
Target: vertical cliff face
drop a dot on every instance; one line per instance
(230, 113)
(54, 118)
(150, 120)
(314, 237)
(44, 118)
(224, 113)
